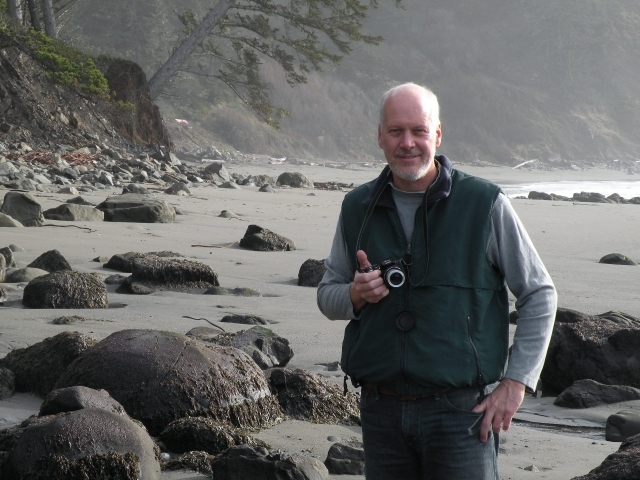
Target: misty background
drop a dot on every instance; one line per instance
(517, 80)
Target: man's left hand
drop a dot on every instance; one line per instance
(500, 406)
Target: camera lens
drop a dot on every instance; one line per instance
(394, 277)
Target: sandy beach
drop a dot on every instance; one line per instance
(570, 236)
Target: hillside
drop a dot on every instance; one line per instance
(516, 80)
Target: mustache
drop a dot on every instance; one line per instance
(406, 153)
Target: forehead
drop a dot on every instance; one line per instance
(406, 107)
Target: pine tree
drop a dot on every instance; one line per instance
(236, 36)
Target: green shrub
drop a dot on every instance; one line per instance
(69, 66)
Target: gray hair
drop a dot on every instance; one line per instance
(431, 101)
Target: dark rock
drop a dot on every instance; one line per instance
(135, 188)
(622, 425)
(116, 279)
(23, 208)
(159, 377)
(295, 180)
(66, 289)
(263, 240)
(123, 262)
(268, 189)
(243, 462)
(157, 273)
(204, 434)
(88, 443)
(533, 195)
(51, 261)
(311, 273)
(178, 188)
(7, 383)
(69, 212)
(217, 168)
(231, 185)
(621, 465)
(603, 348)
(137, 208)
(617, 259)
(238, 292)
(345, 460)
(80, 201)
(245, 320)
(67, 320)
(589, 393)
(312, 398)
(264, 346)
(197, 461)
(592, 197)
(38, 367)
(71, 399)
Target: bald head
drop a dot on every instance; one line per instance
(429, 101)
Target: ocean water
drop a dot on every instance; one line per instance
(626, 189)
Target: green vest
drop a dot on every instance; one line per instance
(461, 336)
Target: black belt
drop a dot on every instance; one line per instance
(382, 390)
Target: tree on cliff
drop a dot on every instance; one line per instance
(15, 11)
(236, 35)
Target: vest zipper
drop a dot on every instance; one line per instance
(479, 377)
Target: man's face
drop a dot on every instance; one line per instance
(409, 141)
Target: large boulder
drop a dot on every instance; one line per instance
(155, 273)
(38, 367)
(23, 208)
(312, 398)
(66, 289)
(131, 207)
(71, 399)
(622, 425)
(602, 347)
(589, 393)
(295, 180)
(159, 377)
(243, 462)
(205, 435)
(264, 240)
(311, 273)
(7, 383)
(264, 346)
(621, 465)
(86, 444)
(51, 261)
(217, 170)
(123, 262)
(74, 213)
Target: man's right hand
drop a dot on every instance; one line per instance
(366, 287)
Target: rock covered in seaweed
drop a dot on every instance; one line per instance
(181, 376)
(264, 240)
(87, 443)
(66, 289)
(38, 367)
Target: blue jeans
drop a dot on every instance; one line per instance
(435, 438)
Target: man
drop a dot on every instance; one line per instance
(419, 264)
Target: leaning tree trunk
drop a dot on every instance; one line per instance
(14, 9)
(49, 19)
(33, 12)
(186, 48)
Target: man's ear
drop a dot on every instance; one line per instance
(439, 135)
(379, 137)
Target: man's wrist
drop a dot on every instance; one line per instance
(356, 300)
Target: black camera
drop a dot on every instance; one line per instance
(392, 272)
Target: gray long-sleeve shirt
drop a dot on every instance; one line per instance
(509, 250)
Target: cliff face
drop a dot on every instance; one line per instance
(35, 110)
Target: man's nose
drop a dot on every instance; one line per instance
(407, 140)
